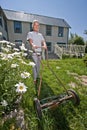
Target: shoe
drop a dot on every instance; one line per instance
(35, 82)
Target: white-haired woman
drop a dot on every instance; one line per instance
(37, 42)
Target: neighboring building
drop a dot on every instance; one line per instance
(15, 25)
(3, 25)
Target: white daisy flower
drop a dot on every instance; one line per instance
(16, 54)
(10, 56)
(21, 88)
(57, 67)
(12, 44)
(7, 57)
(4, 41)
(32, 64)
(4, 103)
(24, 54)
(2, 54)
(14, 65)
(25, 75)
(23, 48)
(23, 62)
(8, 46)
(30, 51)
(5, 49)
(16, 49)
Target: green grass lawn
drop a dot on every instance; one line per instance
(66, 116)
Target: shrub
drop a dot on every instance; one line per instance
(85, 59)
(65, 56)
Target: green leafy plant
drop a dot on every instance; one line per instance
(85, 59)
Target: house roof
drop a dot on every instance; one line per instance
(27, 17)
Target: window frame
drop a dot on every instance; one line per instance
(48, 30)
(17, 25)
(60, 31)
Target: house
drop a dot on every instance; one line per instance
(15, 25)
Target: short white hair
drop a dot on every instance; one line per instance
(34, 21)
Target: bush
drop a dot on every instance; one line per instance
(85, 59)
(65, 56)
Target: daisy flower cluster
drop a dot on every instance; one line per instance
(14, 77)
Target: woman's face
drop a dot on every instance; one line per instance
(36, 27)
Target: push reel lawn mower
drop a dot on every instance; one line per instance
(53, 101)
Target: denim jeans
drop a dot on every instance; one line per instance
(36, 69)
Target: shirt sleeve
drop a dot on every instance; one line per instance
(29, 36)
(42, 38)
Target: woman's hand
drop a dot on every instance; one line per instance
(34, 47)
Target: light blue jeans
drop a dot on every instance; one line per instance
(36, 68)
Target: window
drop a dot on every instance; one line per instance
(48, 30)
(60, 31)
(17, 27)
(48, 46)
(1, 21)
(31, 29)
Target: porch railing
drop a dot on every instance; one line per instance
(58, 51)
(71, 50)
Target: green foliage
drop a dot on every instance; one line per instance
(85, 59)
(79, 40)
(65, 56)
(71, 39)
(85, 32)
(75, 39)
(68, 56)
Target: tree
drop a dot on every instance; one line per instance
(85, 32)
(79, 40)
(71, 39)
(75, 39)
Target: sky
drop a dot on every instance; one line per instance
(73, 11)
